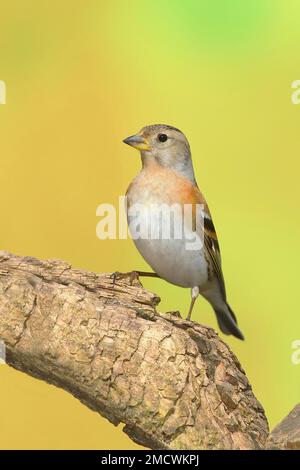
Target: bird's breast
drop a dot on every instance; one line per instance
(161, 232)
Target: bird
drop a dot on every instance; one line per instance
(167, 178)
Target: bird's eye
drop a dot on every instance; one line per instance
(162, 137)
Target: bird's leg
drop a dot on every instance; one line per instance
(195, 293)
(132, 275)
(146, 274)
(136, 274)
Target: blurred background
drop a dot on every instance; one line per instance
(83, 75)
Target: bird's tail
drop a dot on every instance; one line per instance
(227, 321)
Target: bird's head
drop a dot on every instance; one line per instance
(166, 144)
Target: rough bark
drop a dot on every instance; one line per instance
(174, 383)
(286, 435)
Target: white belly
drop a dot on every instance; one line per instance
(170, 258)
(172, 262)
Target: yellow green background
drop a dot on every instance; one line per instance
(82, 75)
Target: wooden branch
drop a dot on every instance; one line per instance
(174, 383)
(286, 435)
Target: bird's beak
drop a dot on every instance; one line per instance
(138, 142)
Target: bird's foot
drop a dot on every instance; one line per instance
(133, 277)
(174, 313)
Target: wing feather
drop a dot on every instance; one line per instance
(212, 246)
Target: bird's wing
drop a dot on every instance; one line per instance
(211, 244)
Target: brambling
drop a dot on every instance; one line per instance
(167, 178)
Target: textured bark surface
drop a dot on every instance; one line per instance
(286, 435)
(174, 383)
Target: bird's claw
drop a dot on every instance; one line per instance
(114, 276)
(133, 276)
